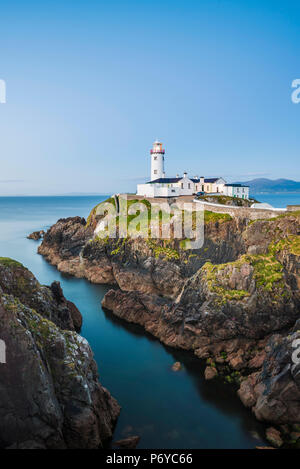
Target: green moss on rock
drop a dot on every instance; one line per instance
(211, 274)
(267, 272)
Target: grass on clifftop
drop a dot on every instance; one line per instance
(110, 200)
(295, 214)
(210, 217)
(164, 217)
(227, 200)
(10, 262)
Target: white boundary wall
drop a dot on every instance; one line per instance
(253, 213)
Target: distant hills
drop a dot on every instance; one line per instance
(262, 185)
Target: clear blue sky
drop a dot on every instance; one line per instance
(91, 84)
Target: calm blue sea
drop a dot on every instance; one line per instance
(278, 200)
(167, 409)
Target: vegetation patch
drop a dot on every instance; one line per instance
(211, 275)
(227, 200)
(143, 224)
(165, 251)
(212, 217)
(267, 271)
(120, 245)
(93, 213)
(295, 214)
(291, 244)
(10, 262)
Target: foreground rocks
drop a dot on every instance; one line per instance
(49, 390)
(273, 436)
(273, 392)
(176, 366)
(50, 302)
(127, 443)
(234, 302)
(210, 372)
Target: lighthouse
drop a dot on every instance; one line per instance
(157, 161)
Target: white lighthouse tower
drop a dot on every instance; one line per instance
(157, 161)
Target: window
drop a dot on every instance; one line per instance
(182, 185)
(189, 185)
(155, 171)
(155, 157)
(217, 189)
(202, 187)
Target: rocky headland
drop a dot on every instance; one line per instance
(49, 390)
(234, 302)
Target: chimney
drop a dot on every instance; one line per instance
(202, 180)
(177, 175)
(185, 174)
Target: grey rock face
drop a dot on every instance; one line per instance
(49, 390)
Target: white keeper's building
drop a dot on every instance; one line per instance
(161, 186)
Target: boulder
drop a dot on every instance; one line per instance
(36, 235)
(176, 366)
(274, 437)
(210, 372)
(127, 443)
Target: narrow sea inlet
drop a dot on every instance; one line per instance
(166, 409)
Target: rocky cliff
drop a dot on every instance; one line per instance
(234, 302)
(49, 390)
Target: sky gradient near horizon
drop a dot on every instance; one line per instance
(91, 84)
